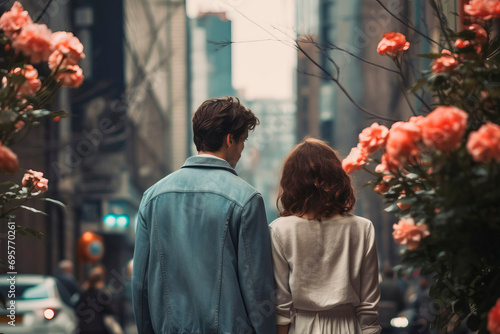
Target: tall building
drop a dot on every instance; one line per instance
(267, 147)
(130, 124)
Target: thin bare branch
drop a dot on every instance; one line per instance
(341, 87)
(44, 11)
(407, 25)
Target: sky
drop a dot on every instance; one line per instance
(264, 60)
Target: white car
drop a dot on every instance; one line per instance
(35, 304)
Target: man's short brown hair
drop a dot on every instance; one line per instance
(218, 117)
(314, 183)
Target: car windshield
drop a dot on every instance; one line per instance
(27, 291)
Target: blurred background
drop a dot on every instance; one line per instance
(148, 66)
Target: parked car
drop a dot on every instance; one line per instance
(42, 305)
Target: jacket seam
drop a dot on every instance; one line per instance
(240, 204)
(248, 257)
(162, 264)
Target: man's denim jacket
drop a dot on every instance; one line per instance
(202, 261)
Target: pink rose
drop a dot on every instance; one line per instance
(32, 84)
(373, 138)
(444, 128)
(36, 180)
(409, 234)
(34, 40)
(484, 144)
(392, 43)
(401, 145)
(485, 9)
(354, 161)
(56, 59)
(69, 46)
(494, 319)
(445, 63)
(8, 160)
(12, 21)
(71, 76)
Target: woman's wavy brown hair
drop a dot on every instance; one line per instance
(314, 183)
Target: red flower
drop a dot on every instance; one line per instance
(481, 34)
(444, 128)
(8, 160)
(484, 144)
(392, 43)
(445, 63)
(494, 319)
(460, 43)
(485, 9)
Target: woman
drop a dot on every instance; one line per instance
(95, 308)
(325, 259)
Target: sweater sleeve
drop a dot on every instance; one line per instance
(284, 305)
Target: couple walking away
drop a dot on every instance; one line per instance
(206, 261)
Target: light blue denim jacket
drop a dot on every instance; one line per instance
(202, 261)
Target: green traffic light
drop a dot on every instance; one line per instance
(114, 220)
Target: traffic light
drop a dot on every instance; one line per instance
(113, 220)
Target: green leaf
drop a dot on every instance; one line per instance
(7, 117)
(418, 85)
(54, 201)
(29, 231)
(392, 208)
(32, 209)
(430, 55)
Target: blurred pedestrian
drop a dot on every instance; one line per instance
(67, 278)
(325, 259)
(202, 261)
(94, 308)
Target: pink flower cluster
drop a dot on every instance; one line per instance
(36, 180)
(406, 232)
(484, 9)
(371, 139)
(31, 84)
(61, 49)
(442, 129)
(446, 63)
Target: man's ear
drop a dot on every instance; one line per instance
(229, 139)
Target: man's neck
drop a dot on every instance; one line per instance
(219, 154)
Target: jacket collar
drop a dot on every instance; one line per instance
(205, 161)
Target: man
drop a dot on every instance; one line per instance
(202, 261)
(66, 277)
